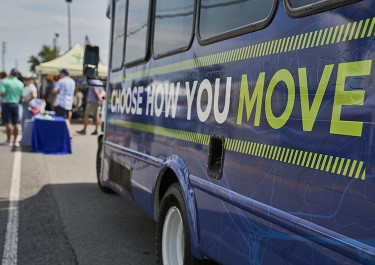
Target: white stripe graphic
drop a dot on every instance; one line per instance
(11, 236)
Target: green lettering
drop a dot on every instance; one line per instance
(350, 98)
(309, 113)
(285, 76)
(250, 102)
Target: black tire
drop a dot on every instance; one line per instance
(173, 204)
(99, 157)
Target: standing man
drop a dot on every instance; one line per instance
(12, 91)
(29, 93)
(94, 101)
(64, 95)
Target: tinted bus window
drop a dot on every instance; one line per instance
(217, 17)
(300, 3)
(118, 35)
(136, 34)
(173, 25)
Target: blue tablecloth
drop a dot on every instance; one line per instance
(50, 136)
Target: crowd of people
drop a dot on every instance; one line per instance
(19, 99)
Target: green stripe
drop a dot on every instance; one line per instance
(291, 43)
(260, 149)
(286, 155)
(324, 162)
(359, 169)
(318, 162)
(334, 34)
(267, 149)
(282, 154)
(340, 33)
(308, 41)
(282, 45)
(251, 148)
(319, 36)
(369, 34)
(247, 148)
(271, 152)
(304, 40)
(352, 168)
(263, 48)
(308, 160)
(269, 43)
(335, 165)
(295, 156)
(359, 28)
(313, 162)
(329, 163)
(299, 157)
(354, 26)
(365, 28)
(329, 35)
(304, 159)
(290, 156)
(346, 31)
(340, 166)
(255, 148)
(346, 167)
(363, 175)
(263, 151)
(276, 153)
(295, 42)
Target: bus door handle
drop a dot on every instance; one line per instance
(215, 161)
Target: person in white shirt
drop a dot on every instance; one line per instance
(29, 93)
(64, 96)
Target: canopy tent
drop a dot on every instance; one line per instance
(72, 60)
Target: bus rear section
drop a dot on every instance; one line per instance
(245, 128)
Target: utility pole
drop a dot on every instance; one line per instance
(55, 40)
(69, 26)
(3, 51)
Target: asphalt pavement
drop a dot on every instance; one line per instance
(63, 217)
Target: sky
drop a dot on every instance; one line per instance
(26, 25)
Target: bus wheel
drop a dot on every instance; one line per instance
(99, 157)
(172, 232)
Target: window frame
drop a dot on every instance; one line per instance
(113, 17)
(174, 51)
(238, 31)
(311, 9)
(143, 59)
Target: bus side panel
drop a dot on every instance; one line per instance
(308, 168)
(259, 241)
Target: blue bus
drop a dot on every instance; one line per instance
(245, 128)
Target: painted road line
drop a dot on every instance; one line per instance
(11, 236)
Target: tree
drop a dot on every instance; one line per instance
(47, 53)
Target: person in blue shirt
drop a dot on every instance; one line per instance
(64, 95)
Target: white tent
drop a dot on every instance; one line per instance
(72, 60)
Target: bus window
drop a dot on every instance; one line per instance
(137, 31)
(118, 35)
(173, 25)
(217, 17)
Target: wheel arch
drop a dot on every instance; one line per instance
(175, 170)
